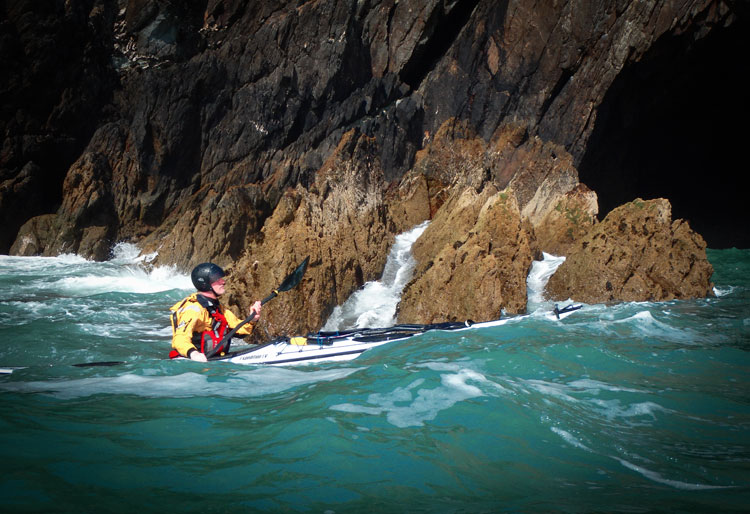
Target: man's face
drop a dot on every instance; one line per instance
(218, 286)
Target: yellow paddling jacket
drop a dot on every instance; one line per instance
(194, 317)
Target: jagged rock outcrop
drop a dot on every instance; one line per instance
(636, 254)
(340, 222)
(473, 260)
(190, 128)
(33, 233)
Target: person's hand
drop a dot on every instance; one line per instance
(198, 357)
(255, 309)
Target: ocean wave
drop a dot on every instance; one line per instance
(657, 477)
(594, 386)
(18, 264)
(130, 253)
(612, 409)
(245, 384)
(570, 439)
(649, 474)
(724, 291)
(123, 280)
(71, 275)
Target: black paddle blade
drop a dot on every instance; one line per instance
(92, 364)
(294, 278)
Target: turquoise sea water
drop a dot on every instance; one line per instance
(637, 407)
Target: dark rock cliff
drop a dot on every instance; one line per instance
(218, 129)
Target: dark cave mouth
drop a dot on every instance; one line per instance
(672, 125)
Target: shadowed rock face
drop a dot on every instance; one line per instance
(55, 88)
(256, 133)
(668, 120)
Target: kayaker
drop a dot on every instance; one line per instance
(200, 321)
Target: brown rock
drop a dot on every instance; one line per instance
(636, 254)
(209, 226)
(33, 235)
(570, 219)
(472, 261)
(455, 154)
(410, 203)
(536, 165)
(341, 223)
(88, 224)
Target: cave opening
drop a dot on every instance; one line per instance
(673, 125)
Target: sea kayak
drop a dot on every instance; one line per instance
(350, 344)
(335, 346)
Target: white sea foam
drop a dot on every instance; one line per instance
(560, 391)
(612, 409)
(580, 392)
(129, 253)
(422, 404)
(460, 369)
(374, 305)
(127, 279)
(645, 322)
(594, 386)
(723, 291)
(21, 264)
(641, 316)
(72, 275)
(539, 275)
(125, 274)
(570, 439)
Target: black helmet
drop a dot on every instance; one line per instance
(205, 274)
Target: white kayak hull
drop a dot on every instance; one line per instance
(331, 347)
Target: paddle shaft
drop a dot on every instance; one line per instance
(289, 282)
(249, 318)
